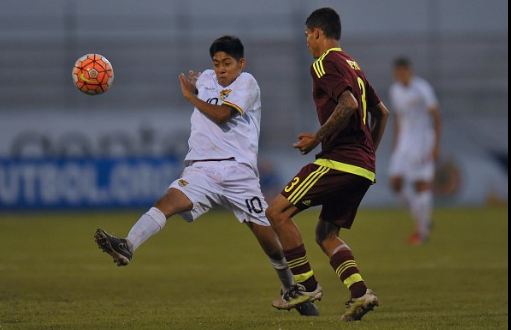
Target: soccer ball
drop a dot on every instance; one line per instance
(93, 74)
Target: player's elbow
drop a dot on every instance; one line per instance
(385, 112)
(385, 115)
(380, 111)
(223, 116)
(221, 120)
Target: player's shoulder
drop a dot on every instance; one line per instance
(337, 57)
(421, 83)
(207, 77)
(396, 87)
(335, 60)
(334, 54)
(245, 81)
(247, 78)
(423, 86)
(208, 74)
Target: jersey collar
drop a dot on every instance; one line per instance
(318, 65)
(329, 51)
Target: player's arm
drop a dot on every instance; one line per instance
(379, 117)
(431, 100)
(397, 131)
(220, 114)
(437, 125)
(346, 107)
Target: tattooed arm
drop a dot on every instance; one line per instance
(345, 109)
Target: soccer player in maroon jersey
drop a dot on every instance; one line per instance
(353, 120)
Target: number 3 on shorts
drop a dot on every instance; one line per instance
(292, 185)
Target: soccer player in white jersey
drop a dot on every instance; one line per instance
(416, 146)
(221, 166)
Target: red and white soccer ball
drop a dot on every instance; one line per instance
(93, 74)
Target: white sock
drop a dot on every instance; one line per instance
(285, 275)
(423, 212)
(148, 225)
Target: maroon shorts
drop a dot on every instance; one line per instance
(339, 193)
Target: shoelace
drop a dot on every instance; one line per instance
(293, 293)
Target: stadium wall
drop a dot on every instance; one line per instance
(460, 46)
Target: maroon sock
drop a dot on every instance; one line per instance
(345, 266)
(301, 268)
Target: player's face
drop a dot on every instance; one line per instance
(227, 68)
(313, 42)
(404, 75)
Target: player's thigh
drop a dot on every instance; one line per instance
(280, 210)
(198, 185)
(174, 202)
(241, 192)
(341, 207)
(423, 186)
(303, 190)
(398, 165)
(422, 175)
(396, 183)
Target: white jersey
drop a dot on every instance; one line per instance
(412, 105)
(239, 137)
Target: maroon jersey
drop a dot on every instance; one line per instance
(334, 73)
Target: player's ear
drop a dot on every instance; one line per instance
(317, 33)
(243, 63)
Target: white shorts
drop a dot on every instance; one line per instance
(413, 168)
(229, 184)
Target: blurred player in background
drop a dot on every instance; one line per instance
(342, 173)
(221, 163)
(416, 145)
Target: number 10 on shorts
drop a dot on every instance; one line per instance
(254, 205)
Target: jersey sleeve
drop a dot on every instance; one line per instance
(242, 95)
(429, 95)
(333, 81)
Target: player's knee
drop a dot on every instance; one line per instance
(276, 217)
(272, 214)
(165, 205)
(328, 242)
(422, 186)
(396, 184)
(320, 240)
(161, 204)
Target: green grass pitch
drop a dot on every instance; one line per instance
(212, 275)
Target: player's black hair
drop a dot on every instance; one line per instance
(230, 45)
(403, 62)
(328, 21)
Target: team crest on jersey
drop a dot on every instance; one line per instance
(225, 94)
(183, 183)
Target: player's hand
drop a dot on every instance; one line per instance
(435, 154)
(187, 87)
(193, 77)
(308, 142)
